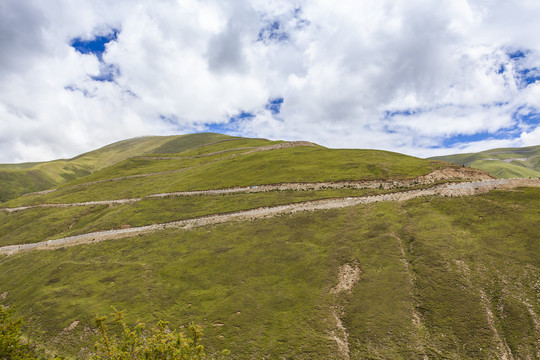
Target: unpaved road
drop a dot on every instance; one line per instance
(428, 179)
(459, 189)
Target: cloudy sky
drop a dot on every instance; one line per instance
(421, 77)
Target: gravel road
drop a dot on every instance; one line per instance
(435, 176)
(458, 189)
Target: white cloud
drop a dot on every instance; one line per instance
(347, 72)
(531, 138)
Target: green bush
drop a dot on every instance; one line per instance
(11, 346)
(158, 342)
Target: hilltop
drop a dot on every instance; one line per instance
(281, 250)
(503, 163)
(18, 179)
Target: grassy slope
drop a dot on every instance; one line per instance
(504, 170)
(310, 164)
(14, 183)
(186, 142)
(526, 163)
(51, 223)
(173, 161)
(268, 281)
(17, 179)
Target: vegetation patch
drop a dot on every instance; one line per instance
(432, 277)
(311, 164)
(272, 279)
(502, 163)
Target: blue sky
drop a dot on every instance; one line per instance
(419, 77)
(96, 45)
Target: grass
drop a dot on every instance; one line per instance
(496, 237)
(185, 142)
(17, 182)
(40, 224)
(51, 223)
(310, 164)
(433, 269)
(269, 303)
(18, 179)
(504, 170)
(267, 281)
(501, 163)
(226, 144)
(148, 164)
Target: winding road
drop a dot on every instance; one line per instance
(444, 174)
(455, 189)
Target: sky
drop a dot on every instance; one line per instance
(420, 77)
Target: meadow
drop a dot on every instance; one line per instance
(310, 164)
(442, 278)
(502, 163)
(262, 288)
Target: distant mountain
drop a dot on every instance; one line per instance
(502, 163)
(18, 179)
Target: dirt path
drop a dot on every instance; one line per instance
(428, 179)
(459, 189)
(349, 275)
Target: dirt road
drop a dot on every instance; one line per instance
(428, 179)
(458, 189)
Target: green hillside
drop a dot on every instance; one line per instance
(504, 163)
(188, 171)
(18, 179)
(435, 277)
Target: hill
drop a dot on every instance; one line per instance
(282, 250)
(18, 179)
(503, 163)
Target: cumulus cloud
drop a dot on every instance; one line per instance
(418, 76)
(20, 47)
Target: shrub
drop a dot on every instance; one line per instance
(138, 342)
(11, 345)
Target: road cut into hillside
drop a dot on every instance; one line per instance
(457, 189)
(460, 174)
